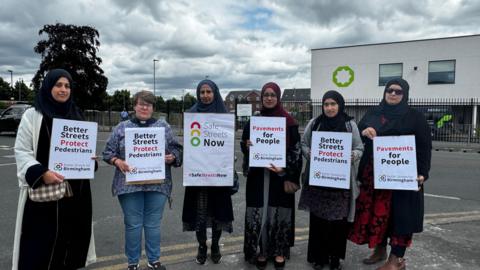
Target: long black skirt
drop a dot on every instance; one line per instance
(326, 239)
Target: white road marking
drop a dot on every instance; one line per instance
(442, 197)
(7, 164)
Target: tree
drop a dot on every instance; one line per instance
(74, 48)
(188, 101)
(5, 90)
(26, 93)
(121, 100)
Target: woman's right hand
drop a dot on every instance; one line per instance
(51, 177)
(248, 143)
(122, 165)
(369, 133)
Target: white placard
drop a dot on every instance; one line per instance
(209, 142)
(395, 162)
(244, 109)
(145, 154)
(330, 159)
(268, 136)
(72, 146)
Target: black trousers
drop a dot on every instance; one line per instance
(326, 239)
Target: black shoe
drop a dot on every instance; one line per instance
(335, 263)
(279, 265)
(133, 267)
(202, 254)
(261, 264)
(216, 255)
(156, 266)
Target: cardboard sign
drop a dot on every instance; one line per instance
(395, 162)
(208, 156)
(145, 154)
(330, 159)
(268, 136)
(72, 146)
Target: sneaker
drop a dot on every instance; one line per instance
(155, 266)
(133, 267)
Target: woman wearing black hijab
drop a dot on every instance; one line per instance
(208, 207)
(396, 214)
(330, 208)
(53, 234)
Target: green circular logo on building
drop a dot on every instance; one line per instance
(343, 76)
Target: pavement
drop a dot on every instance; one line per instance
(450, 240)
(442, 245)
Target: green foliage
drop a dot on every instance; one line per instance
(5, 90)
(121, 100)
(26, 94)
(74, 48)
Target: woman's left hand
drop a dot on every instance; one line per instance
(94, 158)
(290, 187)
(275, 169)
(420, 180)
(169, 158)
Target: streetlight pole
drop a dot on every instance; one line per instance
(154, 60)
(11, 78)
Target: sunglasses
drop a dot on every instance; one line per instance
(398, 92)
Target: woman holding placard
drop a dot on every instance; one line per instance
(331, 209)
(52, 232)
(394, 214)
(208, 207)
(142, 204)
(270, 192)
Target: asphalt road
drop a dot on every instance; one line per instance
(450, 240)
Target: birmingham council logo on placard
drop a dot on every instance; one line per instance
(58, 166)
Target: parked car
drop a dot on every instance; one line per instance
(10, 118)
(440, 119)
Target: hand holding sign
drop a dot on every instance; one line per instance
(51, 177)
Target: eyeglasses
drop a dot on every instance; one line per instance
(145, 105)
(398, 92)
(272, 95)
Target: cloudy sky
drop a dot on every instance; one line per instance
(238, 44)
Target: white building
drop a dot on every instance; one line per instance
(442, 68)
(434, 68)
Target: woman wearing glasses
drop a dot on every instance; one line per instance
(394, 214)
(270, 193)
(142, 204)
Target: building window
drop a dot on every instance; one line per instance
(258, 98)
(248, 98)
(440, 72)
(388, 72)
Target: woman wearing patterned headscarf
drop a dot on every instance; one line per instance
(205, 207)
(53, 234)
(270, 192)
(330, 208)
(394, 214)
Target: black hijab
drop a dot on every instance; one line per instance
(397, 111)
(336, 123)
(217, 105)
(48, 106)
(384, 117)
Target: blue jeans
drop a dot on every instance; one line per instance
(142, 211)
